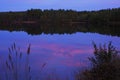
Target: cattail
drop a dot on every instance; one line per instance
(28, 50)
(9, 50)
(7, 65)
(43, 65)
(10, 57)
(20, 55)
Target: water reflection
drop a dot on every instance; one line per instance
(59, 54)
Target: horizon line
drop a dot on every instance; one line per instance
(57, 9)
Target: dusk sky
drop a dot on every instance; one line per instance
(20, 5)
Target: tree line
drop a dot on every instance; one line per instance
(104, 17)
(37, 21)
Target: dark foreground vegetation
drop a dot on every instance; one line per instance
(37, 21)
(105, 65)
(16, 65)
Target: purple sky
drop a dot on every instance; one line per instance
(18, 5)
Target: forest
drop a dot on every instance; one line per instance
(36, 21)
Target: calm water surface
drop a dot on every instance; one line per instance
(60, 55)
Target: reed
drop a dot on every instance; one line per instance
(14, 65)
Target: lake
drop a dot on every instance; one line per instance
(52, 56)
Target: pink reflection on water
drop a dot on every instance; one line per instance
(72, 63)
(58, 54)
(60, 49)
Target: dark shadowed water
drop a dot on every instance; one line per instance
(53, 56)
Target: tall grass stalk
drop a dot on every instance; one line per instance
(14, 65)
